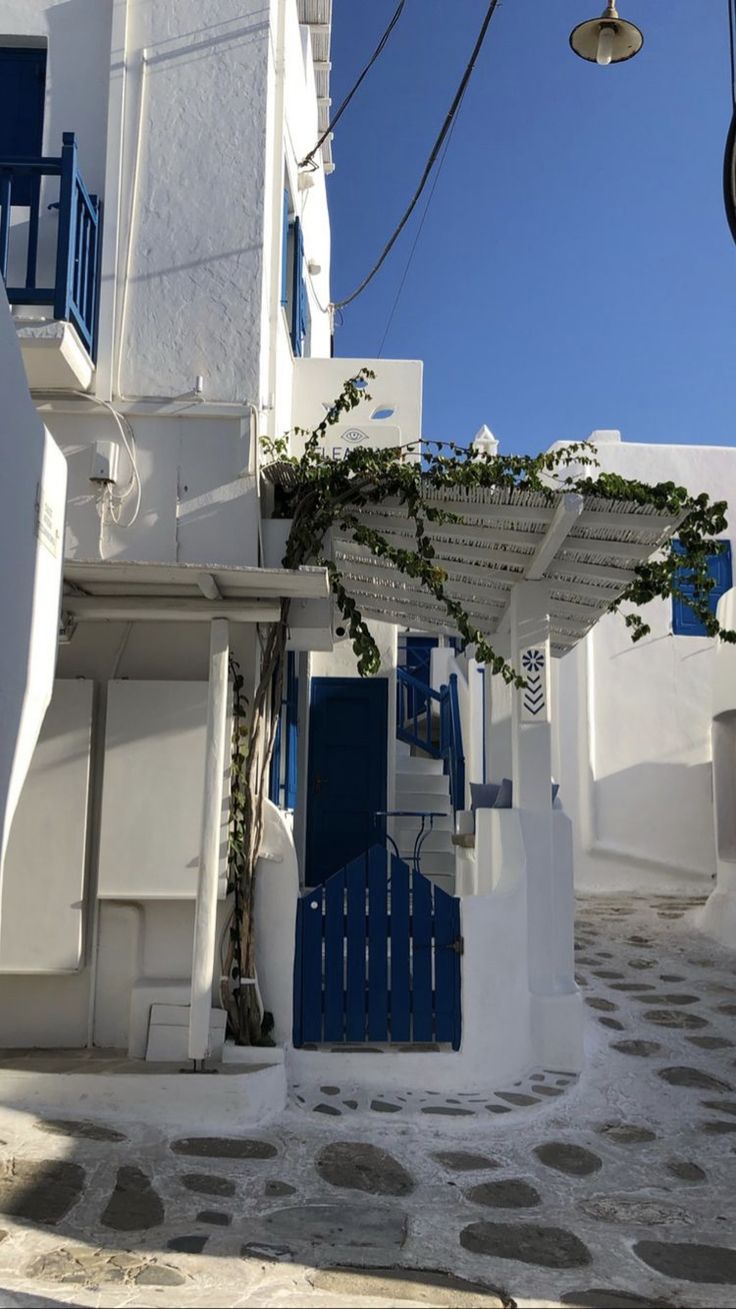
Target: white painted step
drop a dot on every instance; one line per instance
(428, 783)
(414, 765)
(405, 835)
(443, 824)
(414, 801)
(446, 881)
(432, 861)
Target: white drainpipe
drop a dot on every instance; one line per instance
(205, 917)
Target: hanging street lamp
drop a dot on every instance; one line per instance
(608, 39)
(611, 40)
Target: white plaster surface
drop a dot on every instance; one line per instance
(633, 720)
(50, 828)
(152, 797)
(276, 895)
(31, 526)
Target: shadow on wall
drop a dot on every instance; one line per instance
(79, 79)
(653, 814)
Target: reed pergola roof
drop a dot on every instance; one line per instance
(585, 547)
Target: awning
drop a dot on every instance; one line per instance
(119, 590)
(586, 547)
(317, 14)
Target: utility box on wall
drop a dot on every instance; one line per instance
(153, 790)
(42, 910)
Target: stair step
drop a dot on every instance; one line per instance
(445, 881)
(435, 804)
(410, 826)
(427, 783)
(439, 841)
(432, 861)
(415, 765)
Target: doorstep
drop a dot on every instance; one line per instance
(105, 1084)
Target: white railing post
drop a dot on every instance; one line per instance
(205, 917)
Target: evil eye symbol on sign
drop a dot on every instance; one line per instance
(354, 435)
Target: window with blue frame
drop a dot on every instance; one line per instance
(294, 297)
(283, 779)
(685, 621)
(22, 97)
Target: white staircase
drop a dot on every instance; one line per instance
(421, 786)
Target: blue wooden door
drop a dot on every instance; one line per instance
(419, 656)
(346, 784)
(377, 957)
(22, 94)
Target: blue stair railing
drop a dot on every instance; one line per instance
(75, 293)
(415, 723)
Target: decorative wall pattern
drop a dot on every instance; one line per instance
(534, 694)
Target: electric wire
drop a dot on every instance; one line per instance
(436, 148)
(111, 502)
(412, 252)
(309, 159)
(732, 49)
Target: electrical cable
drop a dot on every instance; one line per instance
(309, 159)
(412, 252)
(729, 158)
(444, 130)
(127, 437)
(732, 49)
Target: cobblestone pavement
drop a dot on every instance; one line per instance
(615, 1189)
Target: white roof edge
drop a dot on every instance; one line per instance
(307, 583)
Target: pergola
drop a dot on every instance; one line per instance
(534, 573)
(584, 548)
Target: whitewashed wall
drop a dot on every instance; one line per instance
(135, 939)
(633, 720)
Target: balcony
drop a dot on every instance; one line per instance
(50, 242)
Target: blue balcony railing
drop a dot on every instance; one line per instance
(75, 293)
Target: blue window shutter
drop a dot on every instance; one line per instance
(298, 295)
(22, 96)
(286, 742)
(685, 621)
(292, 732)
(285, 252)
(274, 779)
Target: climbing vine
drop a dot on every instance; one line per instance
(318, 493)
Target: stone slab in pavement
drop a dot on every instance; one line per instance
(614, 1189)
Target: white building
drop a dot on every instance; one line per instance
(171, 311)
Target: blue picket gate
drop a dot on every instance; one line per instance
(377, 957)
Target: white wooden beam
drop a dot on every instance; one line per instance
(166, 609)
(566, 514)
(208, 586)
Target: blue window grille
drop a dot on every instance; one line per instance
(685, 621)
(284, 776)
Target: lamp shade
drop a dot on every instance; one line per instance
(608, 39)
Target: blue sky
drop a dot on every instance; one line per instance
(575, 270)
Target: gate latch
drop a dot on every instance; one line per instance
(458, 945)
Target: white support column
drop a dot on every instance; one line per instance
(556, 1021)
(531, 718)
(205, 917)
